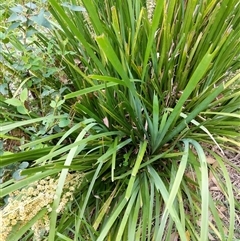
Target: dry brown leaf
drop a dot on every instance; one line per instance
(105, 121)
(215, 165)
(214, 188)
(214, 180)
(210, 237)
(210, 160)
(188, 235)
(174, 236)
(210, 176)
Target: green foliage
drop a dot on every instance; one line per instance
(132, 99)
(32, 66)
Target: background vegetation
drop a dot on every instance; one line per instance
(112, 116)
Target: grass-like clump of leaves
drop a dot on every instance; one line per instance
(132, 96)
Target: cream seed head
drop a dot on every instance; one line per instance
(151, 4)
(13, 222)
(24, 204)
(68, 194)
(42, 182)
(72, 188)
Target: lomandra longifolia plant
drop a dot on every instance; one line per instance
(149, 94)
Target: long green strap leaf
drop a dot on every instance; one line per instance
(66, 21)
(155, 25)
(8, 127)
(174, 189)
(204, 186)
(196, 77)
(139, 159)
(106, 47)
(89, 90)
(160, 186)
(62, 179)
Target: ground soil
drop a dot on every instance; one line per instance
(233, 167)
